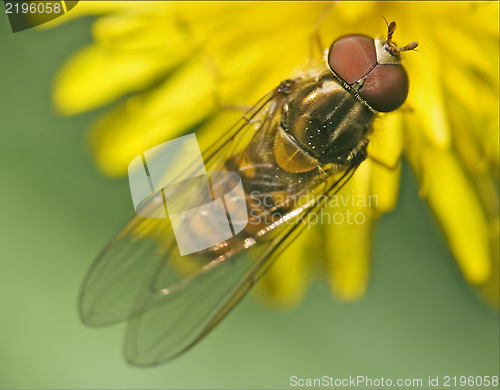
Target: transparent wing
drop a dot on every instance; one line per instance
(116, 278)
(174, 319)
(111, 287)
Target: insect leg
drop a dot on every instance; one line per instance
(393, 166)
(390, 167)
(315, 43)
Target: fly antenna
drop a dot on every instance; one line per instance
(390, 46)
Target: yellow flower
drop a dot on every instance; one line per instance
(172, 66)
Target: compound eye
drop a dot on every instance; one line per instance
(385, 88)
(352, 57)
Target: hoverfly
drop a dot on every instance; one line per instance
(306, 136)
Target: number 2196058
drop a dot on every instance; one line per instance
(33, 7)
(470, 381)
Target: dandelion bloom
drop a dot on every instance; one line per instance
(167, 68)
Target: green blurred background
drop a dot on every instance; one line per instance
(418, 318)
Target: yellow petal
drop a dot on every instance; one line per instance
(182, 102)
(348, 237)
(98, 75)
(83, 8)
(426, 96)
(491, 287)
(386, 147)
(457, 207)
(285, 284)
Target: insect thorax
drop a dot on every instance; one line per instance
(326, 121)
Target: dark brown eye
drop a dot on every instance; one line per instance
(352, 57)
(385, 88)
(384, 83)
